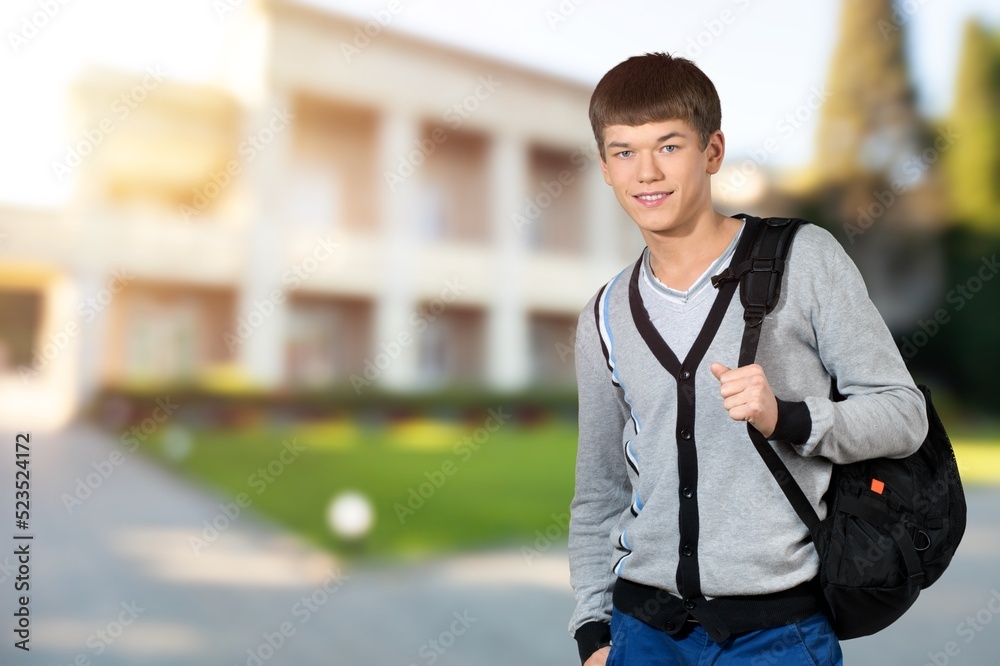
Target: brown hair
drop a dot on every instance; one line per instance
(652, 88)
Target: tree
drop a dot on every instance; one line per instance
(972, 167)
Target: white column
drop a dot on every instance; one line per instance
(259, 314)
(508, 349)
(94, 331)
(603, 225)
(60, 388)
(396, 299)
(86, 299)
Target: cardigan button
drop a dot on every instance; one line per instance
(687, 492)
(685, 375)
(687, 551)
(669, 626)
(685, 434)
(688, 604)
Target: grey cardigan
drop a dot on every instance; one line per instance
(624, 514)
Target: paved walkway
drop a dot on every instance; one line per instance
(117, 582)
(129, 543)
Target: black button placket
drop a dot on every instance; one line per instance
(688, 576)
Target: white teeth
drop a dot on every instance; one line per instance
(651, 197)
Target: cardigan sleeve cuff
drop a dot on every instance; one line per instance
(591, 637)
(794, 422)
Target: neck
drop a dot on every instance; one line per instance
(680, 256)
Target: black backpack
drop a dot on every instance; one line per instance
(892, 525)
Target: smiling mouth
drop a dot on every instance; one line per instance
(651, 198)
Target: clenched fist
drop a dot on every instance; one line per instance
(747, 396)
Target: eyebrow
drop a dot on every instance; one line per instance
(622, 144)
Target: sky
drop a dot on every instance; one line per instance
(766, 57)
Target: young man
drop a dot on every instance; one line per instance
(683, 549)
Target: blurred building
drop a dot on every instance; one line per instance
(350, 206)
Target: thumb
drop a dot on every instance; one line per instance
(718, 370)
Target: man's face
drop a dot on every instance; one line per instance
(659, 172)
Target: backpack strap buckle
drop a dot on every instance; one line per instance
(753, 316)
(767, 265)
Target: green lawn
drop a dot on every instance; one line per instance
(432, 490)
(519, 480)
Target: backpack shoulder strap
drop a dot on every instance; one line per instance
(760, 277)
(760, 287)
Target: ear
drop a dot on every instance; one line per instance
(604, 170)
(715, 151)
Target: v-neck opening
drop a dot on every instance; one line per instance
(664, 354)
(693, 293)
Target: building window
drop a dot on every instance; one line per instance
(553, 337)
(451, 347)
(165, 333)
(454, 200)
(328, 340)
(556, 195)
(335, 151)
(22, 314)
(162, 340)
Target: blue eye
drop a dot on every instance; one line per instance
(622, 153)
(671, 148)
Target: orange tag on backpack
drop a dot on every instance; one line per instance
(877, 486)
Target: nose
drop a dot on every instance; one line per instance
(649, 171)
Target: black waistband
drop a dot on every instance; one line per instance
(721, 616)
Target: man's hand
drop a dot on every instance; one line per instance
(599, 658)
(747, 396)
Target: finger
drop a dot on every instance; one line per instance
(733, 402)
(750, 378)
(746, 371)
(731, 387)
(753, 389)
(752, 396)
(718, 370)
(741, 413)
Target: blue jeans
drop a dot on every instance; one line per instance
(811, 642)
